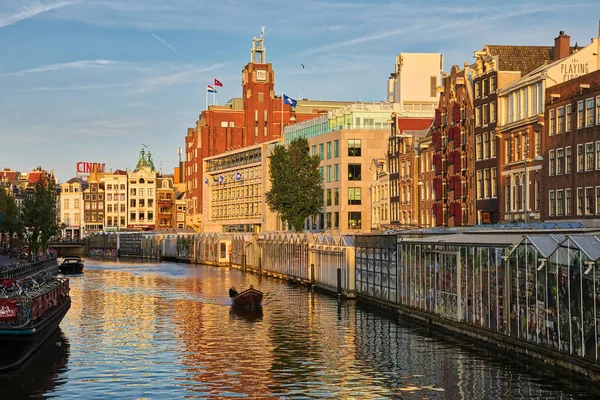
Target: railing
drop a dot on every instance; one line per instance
(24, 269)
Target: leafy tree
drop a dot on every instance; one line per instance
(39, 214)
(296, 187)
(11, 222)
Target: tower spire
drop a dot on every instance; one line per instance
(258, 52)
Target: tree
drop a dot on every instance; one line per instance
(39, 214)
(10, 222)
(296, 187)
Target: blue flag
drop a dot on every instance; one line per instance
(206, 181)
(221, 179)
(238, 176)
(289, 100)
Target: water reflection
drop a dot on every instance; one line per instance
(39, 376)
(249, 314)
(141, 330)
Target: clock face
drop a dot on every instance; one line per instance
(261, 75)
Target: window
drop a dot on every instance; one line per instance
(507, 150)
(486, 183)
(322, 173)
(479, 184)
(569, 118)
(477, 89)
(538, 143)
(354, 172)
(568, 160)
(328, 150)
(518, 142)
(560, 161)
(580, 157)
(494, 183)
(598, 110)
(551, 163)
(493, 144)
(66, 202)
(559, 202)
(551, 203)
(589, 200)
(478, 148)
(579, 201)
(589, 156)
(597, 199)
(486, 145)
(354, 196)
(507, 195)
(492, 111)
(597, 155)
(354, 148)
(328, 173)
(478, 116)
(552, 122)
(493, 85)
(589, 112)
(322, 151)
(314, 150)
(354, 220)
(561, 119)
(336, 172)
(580, 115)
(336, 196)
(486, 114)
(328, 197)
(568, 205)
(336, 148)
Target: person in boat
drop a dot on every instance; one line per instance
(232, 292)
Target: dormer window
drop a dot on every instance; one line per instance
(142, 180)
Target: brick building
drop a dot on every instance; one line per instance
(521, 126)
(495, 67)
(426, 195)
(572, 153)
(403, 161)
(453, 157)
(259, 116)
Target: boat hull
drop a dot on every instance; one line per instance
(18, 344)
(248, 298)
(71, 268)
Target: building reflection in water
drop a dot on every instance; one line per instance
(39, 376)
(168, 331)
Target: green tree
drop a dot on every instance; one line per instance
(39, 214)
(296, 187)
(11, 221)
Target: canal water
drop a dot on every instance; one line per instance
(167, 331)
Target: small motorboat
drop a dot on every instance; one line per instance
(248, 298)
(71, 265)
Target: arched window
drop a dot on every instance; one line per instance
(142, 180)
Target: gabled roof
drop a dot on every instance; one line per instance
(77, 180)
(520, 58)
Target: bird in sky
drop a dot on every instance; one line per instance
(145, 145)
(302, 66)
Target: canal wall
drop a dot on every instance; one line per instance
(533, 294)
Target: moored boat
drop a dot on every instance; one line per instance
(248, 298)
(71, 265)
(33, 302)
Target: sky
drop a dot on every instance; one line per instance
(95, 80)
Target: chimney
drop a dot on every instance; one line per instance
(562, 46)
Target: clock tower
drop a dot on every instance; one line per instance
(258, 82)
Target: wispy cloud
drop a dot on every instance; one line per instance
(72, 65)
(31, 9)
(67, 88)
(164, 42)
(189, 76)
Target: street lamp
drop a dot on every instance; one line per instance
(525, 189)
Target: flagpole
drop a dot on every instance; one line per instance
(281, 114)
(206, 89)
(215, 97)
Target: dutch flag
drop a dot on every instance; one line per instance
(210, 89)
